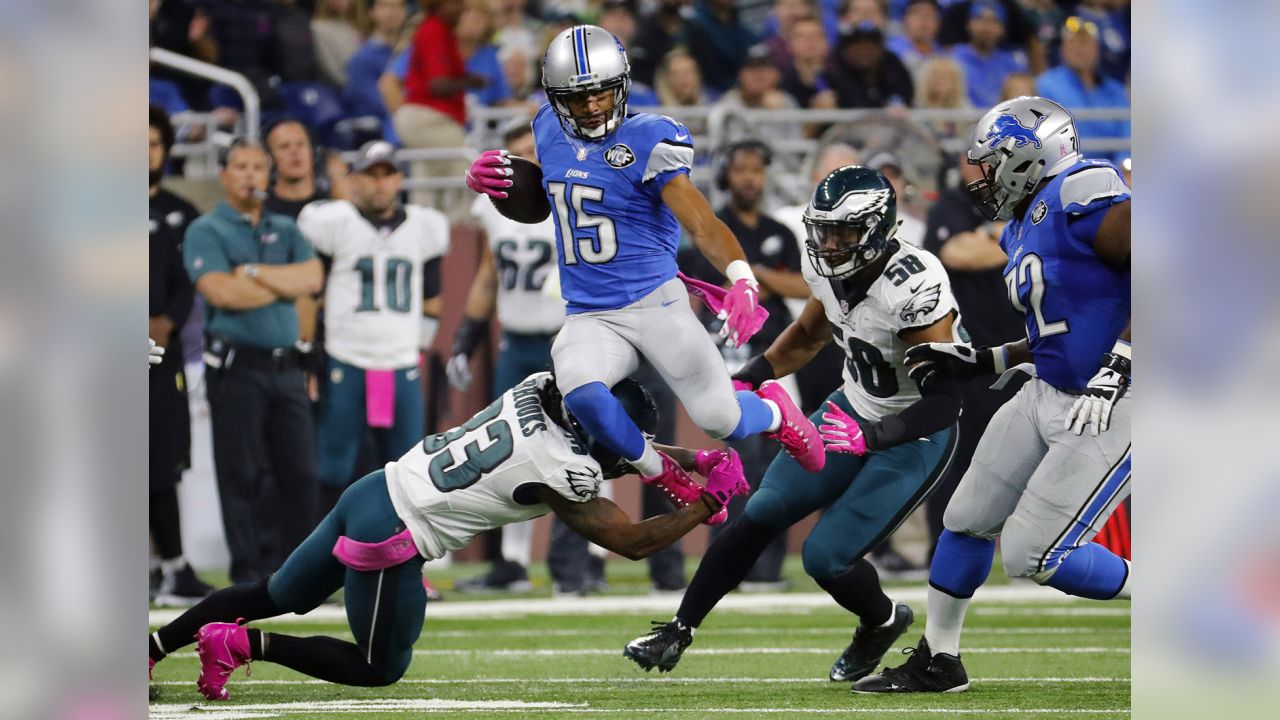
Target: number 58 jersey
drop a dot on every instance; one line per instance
(912, 292)
(457, 484)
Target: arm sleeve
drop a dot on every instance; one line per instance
(202, 253)
(430, 278)
(179, 306)
(932, 412)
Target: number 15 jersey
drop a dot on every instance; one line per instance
(913, 291)
(618, 239)
(457, 484)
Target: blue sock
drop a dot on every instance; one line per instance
(756, 416)
(1090, 571)
(961, 563)
(604, 419)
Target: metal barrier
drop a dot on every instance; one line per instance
(206, 149)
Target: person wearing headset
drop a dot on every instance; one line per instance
(741, 172)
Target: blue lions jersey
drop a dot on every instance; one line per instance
(1076, 304)
(617, 240)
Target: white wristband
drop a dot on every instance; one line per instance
(999, 359)
(740, 270)
(1123, 349)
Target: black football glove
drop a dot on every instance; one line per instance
(953, 361)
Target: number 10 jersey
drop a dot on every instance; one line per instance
(912, 292)
(457, 484)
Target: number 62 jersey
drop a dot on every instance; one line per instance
(912, 292)
(457, 484)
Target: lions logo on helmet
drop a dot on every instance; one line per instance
(1017, 144)
(850, 220)
(582, 61)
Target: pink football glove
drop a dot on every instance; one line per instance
(742, 322)
(489, 174)
(841, 433)
(726, 479)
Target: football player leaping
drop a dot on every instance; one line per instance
(1037, 480)
(620, 190)
(523, 456)
(891, 440)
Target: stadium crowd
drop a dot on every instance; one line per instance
(367, 76)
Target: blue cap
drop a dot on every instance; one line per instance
(977, 7)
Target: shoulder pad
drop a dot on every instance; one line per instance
(924, 296)
(664, 144)
(1097, 185)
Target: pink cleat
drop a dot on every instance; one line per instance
(222, 648)
(797, 433)
(675, 483)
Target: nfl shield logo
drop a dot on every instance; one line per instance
(619, 156)
(1038, 212)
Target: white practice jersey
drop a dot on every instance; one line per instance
(912, 292)
(526, 258)
(373, 294)
(457, 484)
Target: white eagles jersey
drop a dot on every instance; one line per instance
(457, 484)
(526, 258)
(913, 291)
(373, 294)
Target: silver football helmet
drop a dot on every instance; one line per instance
(1017, 144)
(583, 60)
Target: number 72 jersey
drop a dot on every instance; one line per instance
(912, 291)
(456, 484)
(1076, 305)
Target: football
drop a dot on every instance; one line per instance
(526, 202)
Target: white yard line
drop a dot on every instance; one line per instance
(570, 652)
(764, 602)
(654, 681)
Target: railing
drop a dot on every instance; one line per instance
(205, 149)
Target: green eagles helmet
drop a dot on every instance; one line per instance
(850, 220)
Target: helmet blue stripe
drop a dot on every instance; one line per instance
(580, 48)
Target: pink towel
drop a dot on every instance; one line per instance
(367, 557)
(380, 397)
(713, 297)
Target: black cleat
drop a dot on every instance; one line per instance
(505, 575)
(923, 672)
(181, 588)
(661, 648)
(869, 646)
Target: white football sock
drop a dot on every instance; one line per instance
(776, 422)
(1128, 580)
(893, 613)
(945, 621)
(172, 565)
(649, 463)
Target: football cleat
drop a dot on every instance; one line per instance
(869, 646)
(661, 647)
(222, 648)
(923, 672)
(797, 433)
(181, 588)
(504, 575)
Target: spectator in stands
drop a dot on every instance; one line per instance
(338, 27)
(666, 28)
(475, 41)
(617, 17)
(778, 27)
(719, 41)
(1111, 17)
(859, 12)
(806, 80)
(360, 91)
(434, 112)
(968, 246)
(294, 45)
(890, 165)
(918, 42)
(941, 87)
(250, 265)
(868, 75)
(1077, 84)
(757, 87)
(1017, 84)
(679, 83)
(1045, 17)
(296, 181)
(518, 68)
(245, 35)
(985, 63)
(179, 27)
(169, 447)
(516, 27)
(1018, 31)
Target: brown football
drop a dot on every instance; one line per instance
(526, 201)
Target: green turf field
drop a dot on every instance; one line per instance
(760, 659)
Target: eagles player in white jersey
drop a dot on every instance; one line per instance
(619, 185)
(381, 304)
(521, 457)
(888, 441)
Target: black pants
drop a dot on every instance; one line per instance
(262, 430)
(169, 449)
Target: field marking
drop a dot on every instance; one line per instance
(606, 632)
(1123, 611)
(569, 652)
(632, 604)
(653, 681)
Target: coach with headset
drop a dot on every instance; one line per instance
(742, 171)
(251, 265)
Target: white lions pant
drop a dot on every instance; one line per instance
(1042, 488)
(605, 347)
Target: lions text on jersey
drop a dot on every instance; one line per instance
(373, 294)
(913, 291)
(617, 239)
(1076, 305)
(457, 484)
(525, 256)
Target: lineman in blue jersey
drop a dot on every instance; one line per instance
(1038, 480)
(619, 189)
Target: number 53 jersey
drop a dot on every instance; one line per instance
(912, 292)
(457, 484)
